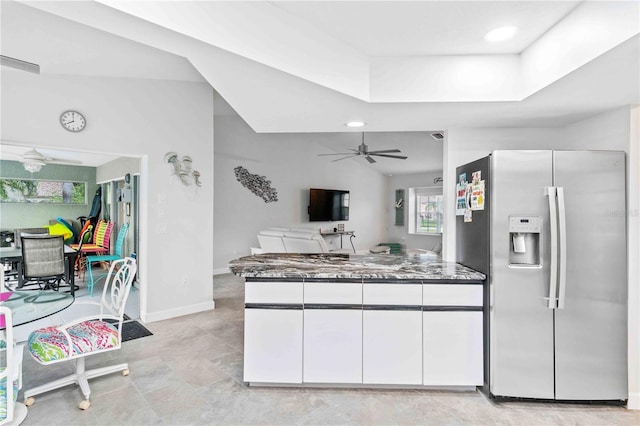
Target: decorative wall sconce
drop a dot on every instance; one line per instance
(183, 168)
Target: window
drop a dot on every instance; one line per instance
(42, 191)
(425, 210)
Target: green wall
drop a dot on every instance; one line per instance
(25, 215)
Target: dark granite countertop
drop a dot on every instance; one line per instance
(373, 267)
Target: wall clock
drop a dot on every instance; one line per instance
(73, 121)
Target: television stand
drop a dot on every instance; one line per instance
(351, 235)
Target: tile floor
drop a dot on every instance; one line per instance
(190, 373)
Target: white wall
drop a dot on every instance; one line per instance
(144, 118)
(291, 163)
(614, 130)
(400, 234)
(618, 130)
(465, 145)
(633, 206)
(117, 169)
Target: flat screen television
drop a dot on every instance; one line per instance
(328, 205)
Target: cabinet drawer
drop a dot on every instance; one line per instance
(273, 292)
(339, 293)
(451, 295)
(392, 294)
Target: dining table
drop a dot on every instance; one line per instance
(14, 255)
(26, 307)
(32, 305)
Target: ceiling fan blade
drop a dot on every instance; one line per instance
(384, 151)
(336, 153)
(10, 156)
(33, 154)
(61, 161)
(344, 158)
(370, 160)
(399, 157)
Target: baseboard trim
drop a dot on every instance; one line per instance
(634, 401)
(178, 312)
(221, 271)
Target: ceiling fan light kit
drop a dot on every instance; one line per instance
(363, 150)
(33, 166)
(33, 160)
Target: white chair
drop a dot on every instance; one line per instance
(10, 373)
(86, 336)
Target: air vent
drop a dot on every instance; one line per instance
(437, 136)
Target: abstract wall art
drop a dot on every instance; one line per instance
(259, 185)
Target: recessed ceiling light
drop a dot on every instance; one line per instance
(355, 124)
(501, 34)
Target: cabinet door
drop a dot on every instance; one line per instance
(273, 345)
(392, 347)
(453, 350)
(332, 346)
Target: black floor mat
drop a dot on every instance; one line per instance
(134, 330)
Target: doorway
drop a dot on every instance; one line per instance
(120, 206)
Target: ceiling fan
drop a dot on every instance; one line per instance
(33, 160)
(364, 150)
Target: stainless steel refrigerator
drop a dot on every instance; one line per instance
(551, 236)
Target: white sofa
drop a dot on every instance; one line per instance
(271, 240)
(294, 240)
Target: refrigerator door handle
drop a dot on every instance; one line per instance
(553, 265)
(562, 231)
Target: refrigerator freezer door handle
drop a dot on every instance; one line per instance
(562, 231)
(553, 266)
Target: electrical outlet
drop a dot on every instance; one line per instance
(185, 280)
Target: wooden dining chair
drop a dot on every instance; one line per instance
(86, 336)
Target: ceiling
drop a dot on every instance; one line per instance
(89, 159)
(311, 66)
(416, 28)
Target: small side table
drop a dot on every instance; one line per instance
(351, 235)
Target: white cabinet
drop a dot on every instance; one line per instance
(452, 295)
(332, 337)
(392, 294)
(373, 333)
(273, 337)
(452, 348)
(273, 345)
(333, 293)
(392, 339)
(273, 292)
(392, 347)
(332, 346)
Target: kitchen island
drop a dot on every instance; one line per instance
(361, 320)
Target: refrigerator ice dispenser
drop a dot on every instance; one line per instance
(524, 241)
